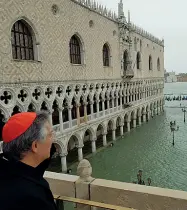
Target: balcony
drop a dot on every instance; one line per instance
(86, 191)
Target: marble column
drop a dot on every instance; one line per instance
(121, 105)
(139, 120)
(103, 106)
(93, 145)
(114, 134)
(70, 116)
(144, 117)
(91, 109)
(113, 104)
(128, 126)
(85, 112)
(63, 163)
(116, 101)
(61, 119)
(134, 123)
(80, 154)
(97, 109)
(104, 140)
(121, 130)
(50, 116)
(78, 114)
(108, 104)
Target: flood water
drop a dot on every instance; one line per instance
(149, 147)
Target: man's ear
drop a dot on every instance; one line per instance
(34, 146)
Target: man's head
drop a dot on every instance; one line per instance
(28, 137)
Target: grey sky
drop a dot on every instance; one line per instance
(164, 19)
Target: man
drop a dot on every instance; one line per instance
(27, 140)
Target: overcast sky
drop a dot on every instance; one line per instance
(164, 19)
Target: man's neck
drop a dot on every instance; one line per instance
(29, 160)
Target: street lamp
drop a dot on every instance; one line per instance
(173, 128)
(140, 181)
(184, 111)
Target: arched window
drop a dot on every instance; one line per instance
(75, 50)
(125, 60)
(138, 60)
(106, 55)
(158, 64)
(150, 63)
(22, 41)
(135, 44)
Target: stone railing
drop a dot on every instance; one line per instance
(115, 193)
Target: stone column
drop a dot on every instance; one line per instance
(103, 105)
(70, 115)
(91, 109)
(50, 116)
(121, 105)
(139, 120)
(94, 145)
(144, 117)
(108, 104)
(63, 163)
(80, 155)
(78, 114)
(148, 115)
(128, 126)
(104, 140)
(61, 119)
(117, 101)
(97, 108)
(85, 112)
(121, 130)
(113, 104)
(114, 134)
(134, 123)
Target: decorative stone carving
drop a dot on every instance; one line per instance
(84, 171)
(54, 9)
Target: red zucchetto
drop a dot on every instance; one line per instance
(17, 125)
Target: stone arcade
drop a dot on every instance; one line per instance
(99, 75)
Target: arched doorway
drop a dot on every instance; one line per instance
(99, 134)
(72, 150)
(109, 131)
(88, 136)
(118, 123)
(55, 114)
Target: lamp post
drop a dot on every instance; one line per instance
(184, 111)
(173, 128)
(140, 181)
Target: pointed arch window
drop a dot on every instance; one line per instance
(125, 60)
(138, 60)
(22, 41)
(150, 63)
(75, 50)
(158, 64)
(106, 55)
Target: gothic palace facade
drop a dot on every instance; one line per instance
(97, 73)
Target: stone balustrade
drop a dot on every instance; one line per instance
(116, 193)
